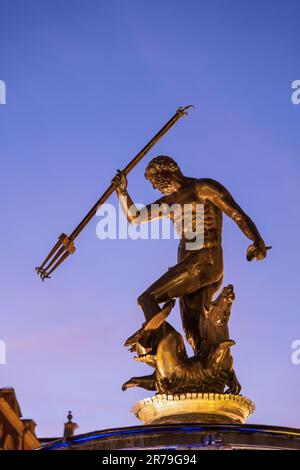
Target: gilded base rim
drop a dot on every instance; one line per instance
(212, 408)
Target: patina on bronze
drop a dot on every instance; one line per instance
(194, 280)
(65, 244)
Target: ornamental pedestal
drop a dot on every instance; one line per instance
(204, 408)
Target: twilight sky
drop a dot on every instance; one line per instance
(88, 84)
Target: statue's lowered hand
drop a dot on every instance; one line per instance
(258, 250)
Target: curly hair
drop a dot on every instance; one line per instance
(161, 164)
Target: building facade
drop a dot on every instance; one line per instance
(184, 437)
(16, 433)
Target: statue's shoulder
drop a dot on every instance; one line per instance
(208, 183)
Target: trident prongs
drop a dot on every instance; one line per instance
(40, 269)
(59, 252)
(61, 259)
(45, 276)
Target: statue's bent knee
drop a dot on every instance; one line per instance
(143, 298)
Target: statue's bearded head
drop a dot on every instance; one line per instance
(163, 172)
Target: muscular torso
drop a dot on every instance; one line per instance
(201, 216)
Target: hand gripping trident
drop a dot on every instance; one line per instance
(65, 245)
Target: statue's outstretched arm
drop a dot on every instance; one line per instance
(221, 197)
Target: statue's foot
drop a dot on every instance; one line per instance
(149, 326)
(160, 317)
(234, 386)
(234, 389)
(146, 381)
(129, 384)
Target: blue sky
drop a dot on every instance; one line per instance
(88, 84)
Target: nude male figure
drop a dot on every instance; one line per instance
(198, 274)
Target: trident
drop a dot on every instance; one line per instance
(65, 244)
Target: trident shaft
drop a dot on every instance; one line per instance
(65, 244)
